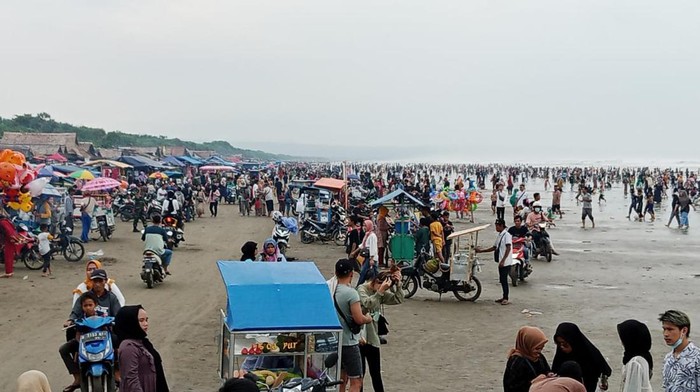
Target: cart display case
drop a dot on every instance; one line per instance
(279, 322)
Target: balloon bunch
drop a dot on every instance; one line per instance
(451, 200)
(17, 181)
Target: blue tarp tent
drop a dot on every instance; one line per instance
(189, 160)
(172, 161)
(141, 163)
(277, 297)
(402, 196)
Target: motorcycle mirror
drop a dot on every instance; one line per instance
(331, 360)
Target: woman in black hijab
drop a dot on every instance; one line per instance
(636, 339)
(249, 250)
(573, 345)
(137, 356)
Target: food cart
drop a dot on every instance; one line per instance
(459, 277)
(402, 242)
(280, 321)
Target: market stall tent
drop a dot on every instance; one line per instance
(277, 297)
(330, 183)
(400, 195)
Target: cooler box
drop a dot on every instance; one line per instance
(402, 227)
(402, 247)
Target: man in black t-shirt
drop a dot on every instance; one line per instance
(447, 229)
(520, 231)
(355, 236)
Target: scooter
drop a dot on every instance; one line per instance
(284, 227)
(521, 267)
(544, 248)
(152, 269)
(96, 354)
(175, 234)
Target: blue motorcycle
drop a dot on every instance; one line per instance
(96, 354)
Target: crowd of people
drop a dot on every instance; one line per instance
(577, 365)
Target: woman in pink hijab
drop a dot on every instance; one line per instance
(370, 249)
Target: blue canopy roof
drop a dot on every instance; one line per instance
(220, 161)
(173, 161)
(402, 195)
(276, 297)
(140, 162)
(189, 160)
(66, 169)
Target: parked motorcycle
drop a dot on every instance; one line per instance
(96, 354)
(104, 226)
(334, 230)
(432, 275)
(153, 207)
(280, 233)
(152, 269)
(521, 268)
(544, 247)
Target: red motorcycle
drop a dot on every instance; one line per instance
(521, 267)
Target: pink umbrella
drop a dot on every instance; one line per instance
(101, 184)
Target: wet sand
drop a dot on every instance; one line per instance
(621, 269)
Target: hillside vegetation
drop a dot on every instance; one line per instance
(43, 122)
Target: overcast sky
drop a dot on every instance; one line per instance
(587, 78)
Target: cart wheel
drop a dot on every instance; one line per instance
(473, 291)
(409, 285)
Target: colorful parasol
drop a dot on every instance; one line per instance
(101, 184)
(159, 175)
(82, 175)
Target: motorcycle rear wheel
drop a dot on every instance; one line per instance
(103, 233)
(548, 254)
(306, 238)
(283, 248)
(515, 274)
(74, 251)
(477, 292)
(32, 259)
(149, 280)
(339, 237)
(409, 284)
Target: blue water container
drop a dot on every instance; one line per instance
(402, 227)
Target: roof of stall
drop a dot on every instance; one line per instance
(141, 162)
(277, 297)
(173, 161)
(108, 162)
(399, 194)
(330, 183)
(189, 160)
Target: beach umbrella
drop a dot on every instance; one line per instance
(82, 174)
(101, 184)
(158, 175)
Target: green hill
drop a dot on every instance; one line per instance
(43, 122)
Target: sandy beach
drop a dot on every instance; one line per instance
(620, 270)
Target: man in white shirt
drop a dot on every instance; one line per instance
(520, 196)
(162, 193)
(500, 202)
(502, 249)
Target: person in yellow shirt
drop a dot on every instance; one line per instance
(437, 237)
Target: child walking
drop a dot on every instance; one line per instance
(45, 249)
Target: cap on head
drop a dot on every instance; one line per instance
(98, 274)
(500, 222)
(343, 267)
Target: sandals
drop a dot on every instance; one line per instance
(498, 301)
(71, 388)
(505, 302)
(7, 275)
